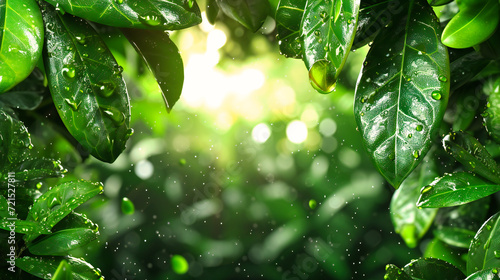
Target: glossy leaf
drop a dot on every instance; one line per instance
(489, 48)
(75, 220)
(409, 221)
(440, 250)
(492, 113)
(26, 95)
(163, 59)
(458, 237)
(14, 143)
(38, 168)
(249, 13)
(402, 92)
(21, 41)
(24, 227)
(148, 14)
(45, 267)
(463, 107)
(439, 2)
(212, 10)
(288, 19)
(484, 251)
(429, 268)
(86, 85)
(472, 155)
(63, 272)
(393, 272)
(464, 65)
(475, 22)
(457, 225)
(488, 274)
(60, 243)
(59, 201)
(455, 189)
(328, 29)
(373, 16)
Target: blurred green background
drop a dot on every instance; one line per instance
(253, 175)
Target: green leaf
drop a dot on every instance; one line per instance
(249, 13)
(489, 274)
(163, 59)
(462, 107)
(212, 11)
(429, 268)
(24, 227)
(148, 14)
(455, 189)
(14, 143)
(38, 168)
(409, 221)
(492, 113)
(75, 220)
(439, 2)
(472, 155)
(458, 237)
(21, 40)
(86, 85)
(440, 250)
(4, 207)
(45, 267)
(393, 272)
(63, 272)
(60, 243)
(457, 225)
(328, 29)
(288, 19)
(484, 251)
(475, 23)
(26, 95)
(402, 92)
(373, 16)
(59, 201)
(464, 65)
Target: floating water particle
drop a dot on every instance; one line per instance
(312, 204)
(179, 264)
(128, 207)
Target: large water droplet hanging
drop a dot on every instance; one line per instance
(322, 76)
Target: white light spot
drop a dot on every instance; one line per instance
(296, 131)
(216, 39)
(144, 169)
(261, 132)
(327, 127)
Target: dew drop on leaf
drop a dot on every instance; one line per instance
(128, 207)
(72, 104)
(436, 95)
(426, 189)
(419, 127)
(115, 115)
(416, 154)
(105, 88)
(69, 71)
(322, 76)
(81, 39)
(443, 79)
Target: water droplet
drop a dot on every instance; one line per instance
(74, 106)
(80, 39)
(322, 76)
(105, 88)
(443, 79)
(151, 20)
(128, 207)
(119, 1)
(494, 270)
(317, 33)
(426, 189)
(416, 154)
(179, 264)
(436, 95)
(419, 127)
(190, 3)
(115, 115)
(130, 132)
(410, 135)
(312, 204)
(69, 71)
